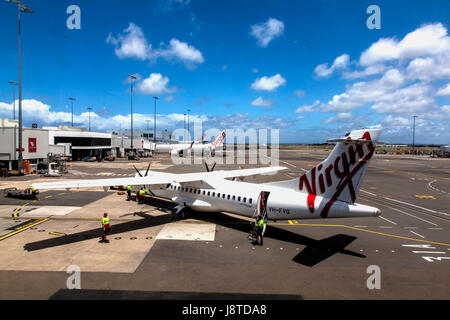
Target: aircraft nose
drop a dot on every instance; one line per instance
(377, 212)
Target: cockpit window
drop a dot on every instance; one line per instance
(347, 134)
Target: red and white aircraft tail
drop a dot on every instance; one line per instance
(339, 176)
(218, 141)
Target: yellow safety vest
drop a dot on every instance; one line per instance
(128, 188)
(260, 223)
(105, 221)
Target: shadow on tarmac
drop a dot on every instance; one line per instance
(315, 251)
(88, 294)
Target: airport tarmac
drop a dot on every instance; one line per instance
(153, 254)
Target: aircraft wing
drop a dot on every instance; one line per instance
(244, 172)
(154, 178)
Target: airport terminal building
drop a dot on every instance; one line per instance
(37, 144)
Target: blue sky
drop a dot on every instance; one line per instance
(247, 64)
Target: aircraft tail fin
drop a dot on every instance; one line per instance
(340, 175)
(218, 141)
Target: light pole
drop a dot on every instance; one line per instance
(20, 8)
(184, 128)
(72, 108)
(414, 130)
(188, 110)
(132, 78)
(14, 98)
(154, 121)
(89, 108)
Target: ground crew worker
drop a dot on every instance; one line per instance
(128, 193)
(106, 227)
(141, 196)
(261, 226)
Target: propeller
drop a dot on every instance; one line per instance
(212, 169)
(137, 171)
(146, 172)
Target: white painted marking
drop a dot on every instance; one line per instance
(360, 226)
(188, 231)
(387, 220)
(411, 228)
(372, 194)
(430, 259)
(434, 252)
(47, 211)
(413, 205)
(435, 228)
(408, 214)
(385, 227)
(417, 234)
(423, 246)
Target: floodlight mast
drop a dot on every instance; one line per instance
(25, 9)
(132, 77)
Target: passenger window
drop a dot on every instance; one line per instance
(223, 196)
(239, 199)
(250, 200)
(228, 197)
(218, 195)
(204, 192)
(213, 194)
(245, 199)
(208, 193)
(234, 198)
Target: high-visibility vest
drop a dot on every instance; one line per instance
(128, 187)
(260, 222)
(105, 221)
(141, 192)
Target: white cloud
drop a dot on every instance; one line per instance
(369, 71)
(308, 108)
(299, 93)
(340, 62)
(362, 92)
(444, 91)
(260, 102)
(430, 39)
(182, 52)
(430, 68)
(339, 117)
(267, 31)
(132, 43)
(155, 84)
(268, 83)
(169, 98)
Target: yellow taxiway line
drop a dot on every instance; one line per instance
(359, 229)
(20, 229)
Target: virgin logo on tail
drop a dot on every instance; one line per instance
(341, 169)
(218, 140)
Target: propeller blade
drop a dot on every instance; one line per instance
(137, 171)
(146, 172)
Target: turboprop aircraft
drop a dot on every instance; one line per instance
(208, 149)
(167, 147)
(326, 191)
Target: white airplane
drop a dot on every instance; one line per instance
(198, 147)
(326, 191)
